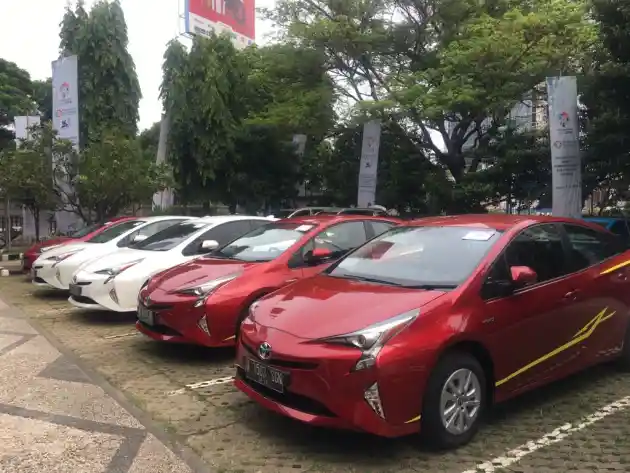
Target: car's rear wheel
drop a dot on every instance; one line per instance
(454, 401)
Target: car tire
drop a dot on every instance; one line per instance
(623, 362)
(452, 367)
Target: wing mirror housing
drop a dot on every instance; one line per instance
(317, 256)
(523, 276)
(138, 238)
(208, 245)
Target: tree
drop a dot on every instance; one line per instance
(43, 97)
(149, 140)
(204, 93)
(28, 171)
(453, 66)
(606, 95)
(15, 98)
(108, 176)
(109, 91)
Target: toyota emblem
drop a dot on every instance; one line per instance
(264, 351)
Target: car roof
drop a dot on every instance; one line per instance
(164, 217)
(501, 222)
(228, 218)
(331, 219)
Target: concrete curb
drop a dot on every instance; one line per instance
(12, 257)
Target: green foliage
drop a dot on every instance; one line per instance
(149, 140)
(27, 171)
(15, 98)
(108, 176)
(109, 91)
(424, 63)
(43, 97)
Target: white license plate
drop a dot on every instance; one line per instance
(145, 315)
(266, 375)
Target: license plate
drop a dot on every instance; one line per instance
(269, 377)
(145, 315)
(75, 290)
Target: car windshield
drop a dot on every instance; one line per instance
(115, 231)
(85, 230)
(170, 237)
(265, 243)
(419, 257)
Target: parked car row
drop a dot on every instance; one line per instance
(366, 322)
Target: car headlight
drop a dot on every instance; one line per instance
(203, 291)
(116, 270)
(59, 258)
(370, 340)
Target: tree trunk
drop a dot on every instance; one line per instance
(7, 224)
(35, 212)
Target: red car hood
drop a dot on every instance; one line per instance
(194, 272)
(324, 306)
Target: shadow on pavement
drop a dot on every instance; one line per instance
(50, 294)
(98, 317)
(184, 353)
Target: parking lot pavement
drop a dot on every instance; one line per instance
(188, 390)
(55, 417)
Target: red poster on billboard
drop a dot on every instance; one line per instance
(218, 16)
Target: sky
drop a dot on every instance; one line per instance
(30, 38)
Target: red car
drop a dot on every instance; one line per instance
(83, 234)
(427, 325)
(204, 301)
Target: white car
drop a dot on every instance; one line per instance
(113, 282)
(54, 268)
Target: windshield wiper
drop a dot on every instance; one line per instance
(367, 279)
(429, 287)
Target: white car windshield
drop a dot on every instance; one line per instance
(422, 257)
(170, 237)
(115, 231)
(265, 243)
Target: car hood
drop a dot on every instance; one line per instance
(117, 258)
(50, 242)
(197, 271)
(65, 249)
(324, 306)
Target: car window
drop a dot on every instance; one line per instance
(340, 238)
(86, 230)
(589, 247)
(419, 256)
(540, 248)
(301, 213)
(254, 224)
(170, 237)
(115, 231)
(147, 230)
(622, 228)
(379, 227)
(265, 243)
(223, 234)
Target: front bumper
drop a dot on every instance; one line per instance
(99, 295)
(323, 391)
(46, 275)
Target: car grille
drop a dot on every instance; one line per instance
(39, 280)
(84, 300)
(288, 399)
(283, 362)
(161, 329)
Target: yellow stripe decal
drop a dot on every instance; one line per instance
(616, 267)
(230, 338)
(579, 337)
(415, 419)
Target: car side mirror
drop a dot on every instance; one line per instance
(208, 245)
(138, 238)
(317, 256)
(523, 276)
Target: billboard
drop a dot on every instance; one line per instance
(236, 17)
(368, 171)
(566, 164)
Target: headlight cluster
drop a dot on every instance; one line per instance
(116, 270)
(59, 258)
(202, 291)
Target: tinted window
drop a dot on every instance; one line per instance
(538, 247)
(621, 228)
(223, 233)
(147, 230)
(170, 237)
(85, 230)
(589, 247)
(301, 213)
(265, 243)
(380, 227)
(115, 231)
(419, 256)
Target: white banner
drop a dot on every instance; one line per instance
(22, 127)
(566, 165)
(65, 91)
(368, 171)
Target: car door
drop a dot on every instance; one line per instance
(530, 332)
(605, 295)
(339, 239)
(223, 233)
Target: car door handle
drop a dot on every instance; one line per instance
(571, 295)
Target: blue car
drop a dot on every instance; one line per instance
(616, 225)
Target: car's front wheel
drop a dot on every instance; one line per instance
(454, 401)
